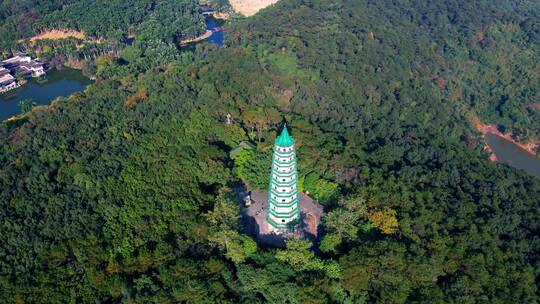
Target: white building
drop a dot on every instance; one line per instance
(33, 68)
(21, 63)
(15, 60)
(7, 81)
(283, 212)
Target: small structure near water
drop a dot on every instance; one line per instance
(7, 81)
(207, 10)
(18, 65)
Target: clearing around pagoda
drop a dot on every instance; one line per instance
(283, 212)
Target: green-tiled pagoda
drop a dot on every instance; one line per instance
(283, 212)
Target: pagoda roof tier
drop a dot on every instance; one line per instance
(284, 139)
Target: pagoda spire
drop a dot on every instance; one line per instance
(283, 212)
(284, 139)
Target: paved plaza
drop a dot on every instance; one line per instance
(255, 220)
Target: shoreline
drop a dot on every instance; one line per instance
(529, 148)
(221, 15)
(204, 36)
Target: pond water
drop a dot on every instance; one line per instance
(215, 25)
(509, 153)
(43, 91)
(218, 36)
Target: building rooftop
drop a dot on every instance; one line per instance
(206, 8)
(31, 64)
(17, 59)
(6, 78)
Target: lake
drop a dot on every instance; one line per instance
(211, 24)
(43, 91)
(509, 153)
(218, 37)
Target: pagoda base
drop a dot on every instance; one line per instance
(254, 218)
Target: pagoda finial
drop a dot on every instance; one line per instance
(284, 130)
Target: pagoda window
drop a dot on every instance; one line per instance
(282, 199)
(283, 221)
(283, 179)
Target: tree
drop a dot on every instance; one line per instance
(322, 190)
(299, 255)
(330, 242)
(224, 223)
(103, 62)
(384, 219)
(343, 223)
(259, 119)
(226, 211)
(253, 166)
(236, 247)
(26, 105)
(131, 54)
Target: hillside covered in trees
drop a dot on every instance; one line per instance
(168, 20)
(124, 192)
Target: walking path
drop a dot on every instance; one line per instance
(207, 34)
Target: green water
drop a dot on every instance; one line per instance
(509, 153)
(43, 91)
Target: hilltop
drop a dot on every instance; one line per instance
(126, 192)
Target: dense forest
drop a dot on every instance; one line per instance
(154, 28)
(108, 22)
(125, 192)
